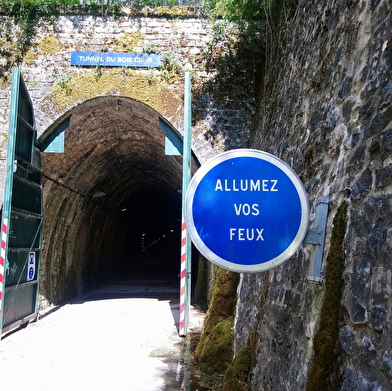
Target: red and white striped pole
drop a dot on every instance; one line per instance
(185, 286)
(3, 250)
(183, 282)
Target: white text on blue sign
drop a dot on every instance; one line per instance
(246, 185)
(250, 234)
(115, 59)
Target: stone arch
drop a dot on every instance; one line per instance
(112, 200)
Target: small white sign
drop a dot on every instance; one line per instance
(31, 267)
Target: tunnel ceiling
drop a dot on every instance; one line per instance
(114, 152)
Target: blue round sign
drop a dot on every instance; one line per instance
(31, 273)
(246, 211)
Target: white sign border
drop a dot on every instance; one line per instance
(210, 255)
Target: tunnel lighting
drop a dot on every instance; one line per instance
(123, 210)
(172, 230)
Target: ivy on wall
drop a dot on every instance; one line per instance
(25, 14)
(19, 18)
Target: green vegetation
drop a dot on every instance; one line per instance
(237, 374)
(247, 49)
(216, 355)
(240, 11)
(25, 14)
(214, 351)
(49, 45)
(324, 374)
(246, 13)
(249, 15)
(64, 79)
(170, 68)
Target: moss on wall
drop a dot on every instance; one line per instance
(116, 10)
(128, 42)
(237, 374)
(74, 88)
(223, 301)
(324, 374)
(49, 45)
(214, 351)
(29, 57)
(169, 11)
(217, 354)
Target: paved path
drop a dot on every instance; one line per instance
(123, 337)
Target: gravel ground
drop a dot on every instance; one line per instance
(111, 340)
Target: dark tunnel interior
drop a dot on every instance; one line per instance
(152, 243)
(112, 200)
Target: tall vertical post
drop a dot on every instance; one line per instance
(6, 215)
(186, 261)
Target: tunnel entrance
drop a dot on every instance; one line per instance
(112, 200)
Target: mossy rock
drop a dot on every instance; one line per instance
(169, 11)
(222, 305)
(76, 88)
(129, 41)
(223, 298)
(217, 353)
(30, 56)
(49, 45)
(324, 373)
(237, 374)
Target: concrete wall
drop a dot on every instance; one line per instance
(327, 112)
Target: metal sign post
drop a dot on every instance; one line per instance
(186, 262)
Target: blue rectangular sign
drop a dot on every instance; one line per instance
(115, 59)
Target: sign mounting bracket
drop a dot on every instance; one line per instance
(316, 236)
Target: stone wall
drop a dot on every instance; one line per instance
(56, 87)
(221, 116)
(327, 112)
